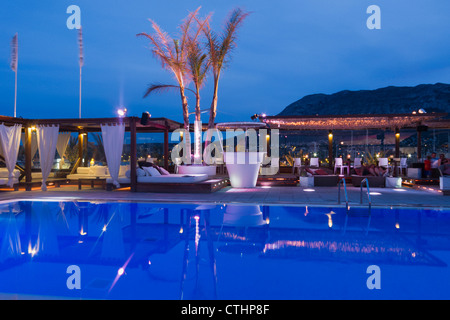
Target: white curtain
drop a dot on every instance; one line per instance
(61, 146)
(10, 141)
(46, 138)
(113, 136)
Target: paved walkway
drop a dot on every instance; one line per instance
(260, 195)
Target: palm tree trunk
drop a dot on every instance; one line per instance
(187, 135)
(212, 116)
(213, 108)
(198, 131)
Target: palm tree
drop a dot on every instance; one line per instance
(198, 65)
(173, 54)
(219, 47)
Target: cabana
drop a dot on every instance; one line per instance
(82, 127)
(333, 123)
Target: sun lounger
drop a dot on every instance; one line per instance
(100, 172)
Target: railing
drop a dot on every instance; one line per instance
(366, 181)
(345, 192)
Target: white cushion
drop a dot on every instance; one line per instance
(4, 173)
(123, 170)
(83, 170)
(97, 170)
(164, 171)
(152, 171)
(140, 172)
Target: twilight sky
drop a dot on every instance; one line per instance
(286, 49)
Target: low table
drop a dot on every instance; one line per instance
(92, 181)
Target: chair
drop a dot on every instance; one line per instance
(275, 165)
(357, 163)
(297, 164)
(403, 165)
(314, 162)
(383, 162)
(177, 162)
(339, 164)
(220, 165)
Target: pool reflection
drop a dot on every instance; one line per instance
(174, 251)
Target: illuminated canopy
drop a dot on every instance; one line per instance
(350, 122)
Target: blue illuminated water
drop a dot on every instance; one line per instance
(203, 251)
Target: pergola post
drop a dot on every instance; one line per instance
(80, 147)
(133, 154)
(397, 142)
(166, 149)
(28, 159)
(330, 148)
(419, 143)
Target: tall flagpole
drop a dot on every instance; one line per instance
(14, 65)
(81, 63)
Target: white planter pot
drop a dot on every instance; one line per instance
(393, 182)
(197, 169)
(306, 182)
(444, 183)
(243, 168)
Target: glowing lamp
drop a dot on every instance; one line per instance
(121, 112)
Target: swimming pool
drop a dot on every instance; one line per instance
(140, 250)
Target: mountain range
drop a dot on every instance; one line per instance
(388, 100)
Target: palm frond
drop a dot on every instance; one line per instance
(160, 88)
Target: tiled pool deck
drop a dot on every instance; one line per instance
(260, 195)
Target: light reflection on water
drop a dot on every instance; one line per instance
(179, 251)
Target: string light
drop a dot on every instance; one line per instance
(345, 122)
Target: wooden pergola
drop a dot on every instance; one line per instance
(393, 122)
(84, 126)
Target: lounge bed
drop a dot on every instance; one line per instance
(172, 183)
(374, 181)
(322, 177)
(93, 172)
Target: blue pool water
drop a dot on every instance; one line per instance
(224, 251)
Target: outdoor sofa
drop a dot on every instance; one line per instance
(374, 181)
